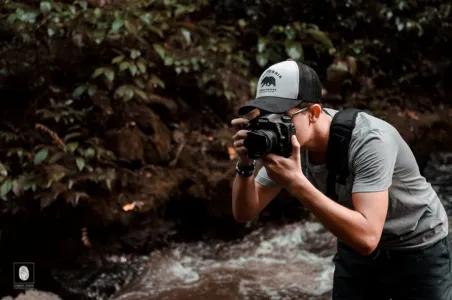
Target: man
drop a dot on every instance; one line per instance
(391, 227)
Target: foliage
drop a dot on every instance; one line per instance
(72, 69)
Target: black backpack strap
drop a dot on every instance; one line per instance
(341, 130)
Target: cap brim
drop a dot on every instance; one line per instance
(275, 105)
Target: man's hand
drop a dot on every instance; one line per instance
(285, 171)
(238, 138)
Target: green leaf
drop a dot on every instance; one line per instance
(124, 66)
(141, 94)
(117, 24)
(80, 163)
(3, 170)
(79, 91)
(320, 37)
(72, 146)
(6, 187)
(156, 30)
(97, 12)
(168, 61)
(110, 74)
(30, 16)
(117, 59)
(92, 90)
(125, 92)
(146, 18)
(261, 45)
(98, 72)
(45, 7)
(262, 59)
(40, 156)
(133, 69)
(132, 29)
(83, 4)
(294, 50)
(71, 135)
(27, 186)
(54, 158)
(141, 66)
(291, 34)
(108, 183)
(157, 82)
(134, 54)
(187, 35)
(17, 187)
(89, 153)
(160, 51)
(12, 18)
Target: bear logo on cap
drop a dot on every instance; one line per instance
(269, 80)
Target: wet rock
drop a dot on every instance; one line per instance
(34, 295)
(127, 144)
(145, 118)
(156, 135)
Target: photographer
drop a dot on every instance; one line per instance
(391, 227)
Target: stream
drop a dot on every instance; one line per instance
(283, 262)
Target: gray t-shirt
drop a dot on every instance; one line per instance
(379, 159)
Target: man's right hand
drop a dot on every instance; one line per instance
(239, 138)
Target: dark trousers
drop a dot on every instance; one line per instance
(398, 275)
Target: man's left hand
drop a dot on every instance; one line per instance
(284, 171)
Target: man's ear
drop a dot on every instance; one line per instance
(314, 113)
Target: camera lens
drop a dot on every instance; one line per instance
(260, 142)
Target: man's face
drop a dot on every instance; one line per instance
(302, 118)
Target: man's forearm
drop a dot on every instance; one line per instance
(245, 201)
(346, 224)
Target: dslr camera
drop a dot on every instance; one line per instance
(269, 133)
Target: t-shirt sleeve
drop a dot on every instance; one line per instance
(262, 178)
(373, 159)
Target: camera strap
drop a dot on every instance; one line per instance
(341, 130)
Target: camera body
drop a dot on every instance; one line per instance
(269, 133)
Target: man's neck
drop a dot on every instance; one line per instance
(322, 134)
(317, 155)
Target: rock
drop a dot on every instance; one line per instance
(157, 145)
(34, 295)
(127, 144)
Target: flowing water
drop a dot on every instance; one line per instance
(292, 261)
(270, 263)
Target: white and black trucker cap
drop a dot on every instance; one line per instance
(283, 86)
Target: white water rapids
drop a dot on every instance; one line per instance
(270, 263)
